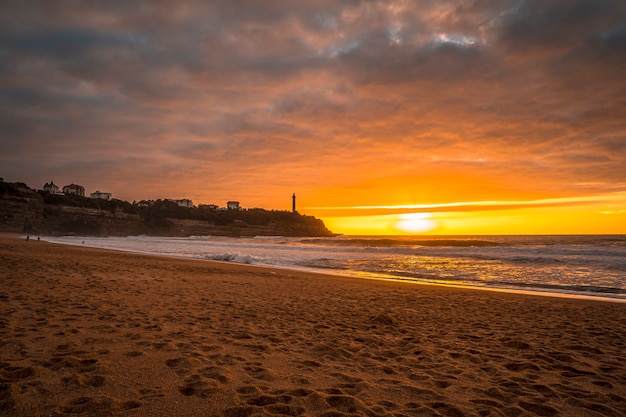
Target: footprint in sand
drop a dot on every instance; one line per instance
(446, 409)
(14, 373)
(150, 393)
(521, 366)
(98, 406)
(539, 409)
(7, 403)
(215, 373)
(343, 403)
(12, 350)
(272, 404)
(258, 372)
(160, 345)
(248, 390)
(95, 381)
(197, 386)
(239, 411)
(182, 366)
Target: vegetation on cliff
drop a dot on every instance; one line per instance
(23, 209)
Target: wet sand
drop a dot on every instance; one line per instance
(87, 332)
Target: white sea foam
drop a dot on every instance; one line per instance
(594, 265)
(232, 257)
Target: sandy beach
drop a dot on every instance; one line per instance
(87, 332)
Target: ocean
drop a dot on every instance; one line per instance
(581, 265)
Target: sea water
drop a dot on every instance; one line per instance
(580, 265)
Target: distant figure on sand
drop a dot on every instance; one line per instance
(27, 237)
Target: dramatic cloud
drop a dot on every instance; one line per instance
(347, 102)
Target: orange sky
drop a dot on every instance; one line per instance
(598, 214)
(475, 117)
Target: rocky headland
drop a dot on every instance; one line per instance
(24, 210)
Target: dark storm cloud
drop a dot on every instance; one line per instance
(355, 83)
(559, 24)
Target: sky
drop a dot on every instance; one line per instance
(384, 117)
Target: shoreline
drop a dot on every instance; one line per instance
(93, 332)
(381, 277)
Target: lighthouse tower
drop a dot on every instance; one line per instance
(293, 203)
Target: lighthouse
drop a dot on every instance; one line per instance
(293, 203)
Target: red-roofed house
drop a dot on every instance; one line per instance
(74, 189)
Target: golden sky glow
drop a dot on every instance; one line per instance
(383, 117)
(588, 215)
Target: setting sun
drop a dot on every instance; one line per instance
(415, 223)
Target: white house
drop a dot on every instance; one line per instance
(52, 188)
(74, 189)
(184, 202)
(101, 195)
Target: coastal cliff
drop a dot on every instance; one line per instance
(24, 210)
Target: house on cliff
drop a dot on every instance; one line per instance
(100, 195)
(209, 206)
(74, 189)
(184, 202)
(52, 188)
(144, 203)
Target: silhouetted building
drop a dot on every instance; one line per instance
(208, 206)
(145, 203)
(74, 189)
(184, 202)
(52, 188)
(233, 205)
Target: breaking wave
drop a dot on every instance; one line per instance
(231, 257)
